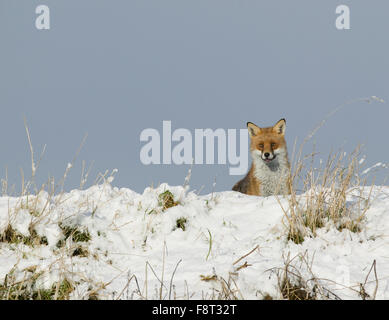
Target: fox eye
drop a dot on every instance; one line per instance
(273, 145)
(260, 145)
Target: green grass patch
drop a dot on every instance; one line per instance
(26, 289)
(166, 200)
(181, 223)
(65, 288)
(75, 233)
(10, 235)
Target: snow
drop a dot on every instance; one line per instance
(377, 165)
(136, 250)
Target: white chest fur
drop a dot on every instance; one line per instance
(273, 176)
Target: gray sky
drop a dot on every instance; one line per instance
(114, 68)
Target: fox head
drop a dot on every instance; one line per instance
(267, 143)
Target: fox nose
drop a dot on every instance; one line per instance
(267, 154)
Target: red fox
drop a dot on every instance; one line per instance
(270, 170)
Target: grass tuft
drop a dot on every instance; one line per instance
(75, 233)
(77, 236)
(27, 289)
(12, 236)
(166, 200)
(324, 197)
(181, 223)
(295, 291)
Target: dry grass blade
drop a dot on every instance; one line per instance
(362, 292)
(246, 255)
(244, 265)
(127, 285)
(171, 279)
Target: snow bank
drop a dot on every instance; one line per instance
(136, 250)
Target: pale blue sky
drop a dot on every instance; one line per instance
(114, 68)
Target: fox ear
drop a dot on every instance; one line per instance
(253, 129)
(280, 127)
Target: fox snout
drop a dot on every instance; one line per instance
(268, 156)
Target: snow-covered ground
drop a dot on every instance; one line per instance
(136, 250)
